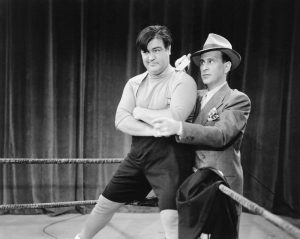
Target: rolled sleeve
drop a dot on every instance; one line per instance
(126, 104)
(184, 97)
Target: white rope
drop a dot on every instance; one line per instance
(254, 208)
(59, 161)
(46, 205)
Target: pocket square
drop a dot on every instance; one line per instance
(213, 115)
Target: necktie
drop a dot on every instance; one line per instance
(203, 100)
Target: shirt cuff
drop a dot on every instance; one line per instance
(179, 132)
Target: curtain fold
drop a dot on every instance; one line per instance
(64, 65)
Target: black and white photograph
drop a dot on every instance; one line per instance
(149, 119)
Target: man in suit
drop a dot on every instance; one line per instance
(218, 129)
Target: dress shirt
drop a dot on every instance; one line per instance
(209, 94)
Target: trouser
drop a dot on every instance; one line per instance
(160, 164)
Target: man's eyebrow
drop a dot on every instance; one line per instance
(157, 47)
(209, 58)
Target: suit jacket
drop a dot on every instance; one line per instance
(218, 139)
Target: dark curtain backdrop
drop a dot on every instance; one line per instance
(64, 63)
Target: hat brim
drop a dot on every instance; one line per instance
(234, 56)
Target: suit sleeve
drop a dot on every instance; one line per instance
(231, 123)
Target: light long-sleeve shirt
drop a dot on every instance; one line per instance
(172, 89)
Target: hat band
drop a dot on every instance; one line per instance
(209, 46)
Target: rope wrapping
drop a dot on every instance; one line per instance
(148, 202)
(254, 208)
(47, 205)
(60, 161)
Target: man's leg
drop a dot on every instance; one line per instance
(169, 220)
(170, 163)
(99, 217)
(128, 184)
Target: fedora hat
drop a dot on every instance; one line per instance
(215, 42)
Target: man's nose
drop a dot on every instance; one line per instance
(203, 66)
(151, 56)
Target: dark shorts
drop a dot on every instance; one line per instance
(160, 164)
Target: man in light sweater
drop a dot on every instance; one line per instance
(153, 162)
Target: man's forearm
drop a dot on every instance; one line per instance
(134, 127)
(148, 115)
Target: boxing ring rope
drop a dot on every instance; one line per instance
(258, 210)
(54, 161)
(47, 205)
(60, 161)
(253, 207)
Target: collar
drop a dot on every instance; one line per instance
(211, 93)
(166, 73)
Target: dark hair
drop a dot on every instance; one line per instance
(151, 32)
(225, 57)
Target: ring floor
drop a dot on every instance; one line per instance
(122, 226)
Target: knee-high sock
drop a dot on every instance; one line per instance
(99, 217)
(169, 219)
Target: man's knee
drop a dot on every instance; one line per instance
(106, 206)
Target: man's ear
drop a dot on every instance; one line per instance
(227, 66)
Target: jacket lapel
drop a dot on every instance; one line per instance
(216, 101)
